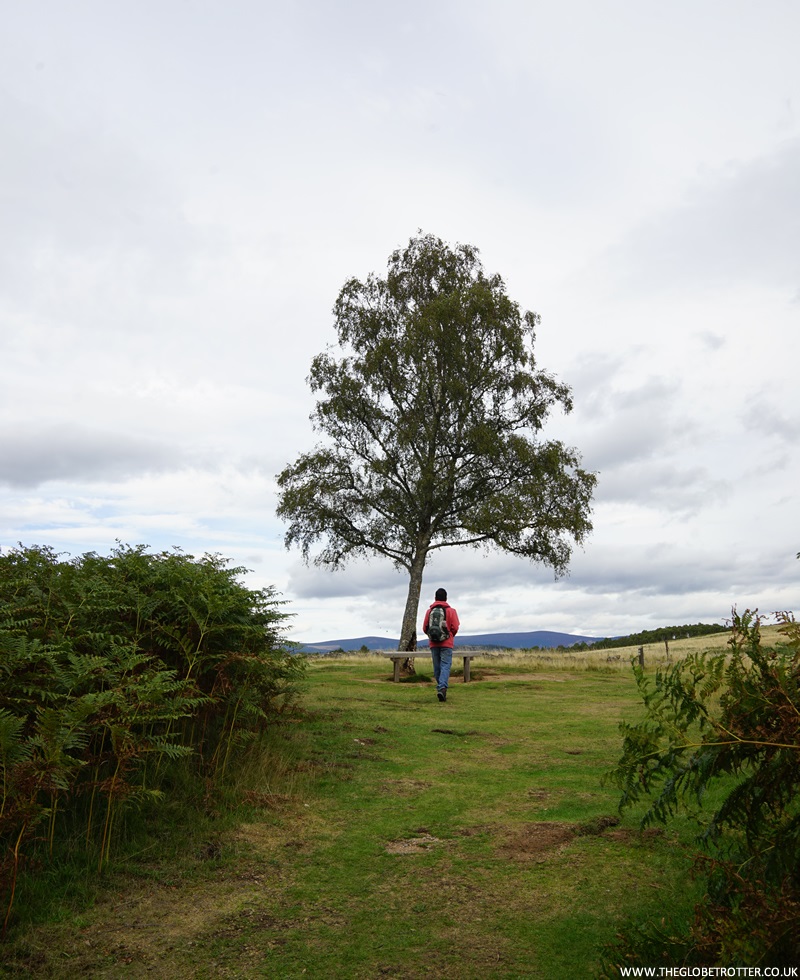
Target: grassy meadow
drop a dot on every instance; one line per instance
(388, 835)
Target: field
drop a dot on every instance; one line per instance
(533, 660)
(388, 835)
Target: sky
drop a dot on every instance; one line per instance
(186, 185)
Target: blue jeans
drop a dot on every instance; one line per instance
(442, 662)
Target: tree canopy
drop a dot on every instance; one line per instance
(432, 408)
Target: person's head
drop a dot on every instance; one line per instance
(441, 595)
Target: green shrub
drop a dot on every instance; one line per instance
(726, 726)
(114, 669)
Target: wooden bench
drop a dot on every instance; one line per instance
(398, 656)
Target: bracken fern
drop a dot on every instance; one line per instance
(731, 722)
(115, 668)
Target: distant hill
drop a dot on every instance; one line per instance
(524, 641)
(504, 641)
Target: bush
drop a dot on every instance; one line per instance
(112, 670)
(732, 722)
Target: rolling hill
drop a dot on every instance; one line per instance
(508, 641)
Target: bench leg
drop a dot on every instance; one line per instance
(396, 661)
(467, 662)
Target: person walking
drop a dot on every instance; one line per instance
(440, 626)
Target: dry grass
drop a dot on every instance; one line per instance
(400, 837)
(532, 661)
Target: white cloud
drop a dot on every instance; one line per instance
(183, 197)
(736, 224)
(768, 419)
(63, 452)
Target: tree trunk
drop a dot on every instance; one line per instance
(408, 632)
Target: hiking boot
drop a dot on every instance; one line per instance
(441, 695)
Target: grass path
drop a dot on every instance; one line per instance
(399, 837)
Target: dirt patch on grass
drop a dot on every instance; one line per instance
(537, 841)
(541, 840)
(412, 845)
(628, 834)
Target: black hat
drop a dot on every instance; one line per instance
(441, 595)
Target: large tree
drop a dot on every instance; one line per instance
(432, 407)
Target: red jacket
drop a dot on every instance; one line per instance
(451, 618)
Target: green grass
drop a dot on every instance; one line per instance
(393, 836)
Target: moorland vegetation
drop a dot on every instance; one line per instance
(660, 635)
(158, 738)
(728, 722)
(123, 679)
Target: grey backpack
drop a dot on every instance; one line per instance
(437, 625)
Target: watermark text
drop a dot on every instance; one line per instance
(709, 971)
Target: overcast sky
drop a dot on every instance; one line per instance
(185, 185)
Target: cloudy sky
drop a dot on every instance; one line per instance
(185, 185)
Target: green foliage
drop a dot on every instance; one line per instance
(111, 670)
(727, 728)
(656, 636)
(432, 413)
(521, 871)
